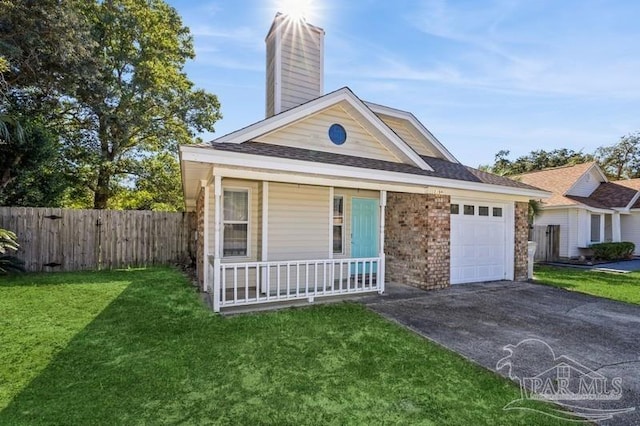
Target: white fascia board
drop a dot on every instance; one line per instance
(405, 115)
(290, 116)
(382, 127)
(227, 158)
(633, 201)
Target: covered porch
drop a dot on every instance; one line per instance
(267, 239)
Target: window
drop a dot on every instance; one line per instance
(483, 211)
(469, 210)
(338, 224)
(455, 208)
(235, 230)
(595, 228)
(497, 212)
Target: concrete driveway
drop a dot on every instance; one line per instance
(479, 320)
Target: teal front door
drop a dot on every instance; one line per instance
(364, 230)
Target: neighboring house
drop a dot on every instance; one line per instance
(331, 195)
(588, 208)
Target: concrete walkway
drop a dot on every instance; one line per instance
(479, 320)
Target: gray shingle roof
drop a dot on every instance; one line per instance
(441, 168)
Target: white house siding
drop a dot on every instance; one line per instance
(584, 228)
(586, 185)
(301, 67)
(557, 217)
(312, 133)
(298, 226)
(630, 229)
(348, 194)
(573, 232)
(271, 63)
(408, 133)
(254, 188)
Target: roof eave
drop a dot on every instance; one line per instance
(228, 158)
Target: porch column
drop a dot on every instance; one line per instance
(205, 235)
(616, 233)
(331, 194)
(217, 253)
(381, 267)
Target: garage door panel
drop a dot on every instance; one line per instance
(478, 245)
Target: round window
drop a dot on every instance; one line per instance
(337, 134)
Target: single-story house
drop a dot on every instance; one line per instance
(588, 207)
(332, 195)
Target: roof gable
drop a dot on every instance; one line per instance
(558, 180)
(311, 132)
(352, 105)
(412, 131)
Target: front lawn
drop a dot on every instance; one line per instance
(623, 287)
(138, 347)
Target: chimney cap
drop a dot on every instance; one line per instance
(281, 17)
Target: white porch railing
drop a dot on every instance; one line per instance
(238, 284)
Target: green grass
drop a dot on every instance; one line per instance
(138, 347)
(623, 287)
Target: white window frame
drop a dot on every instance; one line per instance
(333, 218)
(248, 222)
(601, 216)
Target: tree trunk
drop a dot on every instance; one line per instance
(101, 196)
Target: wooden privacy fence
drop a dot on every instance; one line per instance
(54, 239)
(548, 239)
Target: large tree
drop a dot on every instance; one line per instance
(44, 46)
(137, 102)
(106, 77)
(535, 160)
(621, 160)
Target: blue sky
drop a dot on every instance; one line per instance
(481, 75)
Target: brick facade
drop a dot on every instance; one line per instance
(521, 241)
(200, 215)
(417, 235)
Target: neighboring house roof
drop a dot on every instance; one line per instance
(441, 168)
(560, 180)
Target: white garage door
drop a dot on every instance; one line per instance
(478, 241)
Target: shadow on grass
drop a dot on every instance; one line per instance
(156, 355)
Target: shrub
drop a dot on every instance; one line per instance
(613, 251)
(9, 263)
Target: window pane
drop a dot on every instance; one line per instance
(338, 206)
(483, 211)
(497, 211)
(236, 205)
(469, 210)
(595, 228)
(235, 239)
(455, 208)
(337, 239)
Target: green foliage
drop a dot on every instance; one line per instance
(621, 160)
(137, 347)
(157, 186)
(613, 251)
(535, 160)
(137, 102)
(9, 263)
(32, 170)
(43, 44)
(106, 79)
